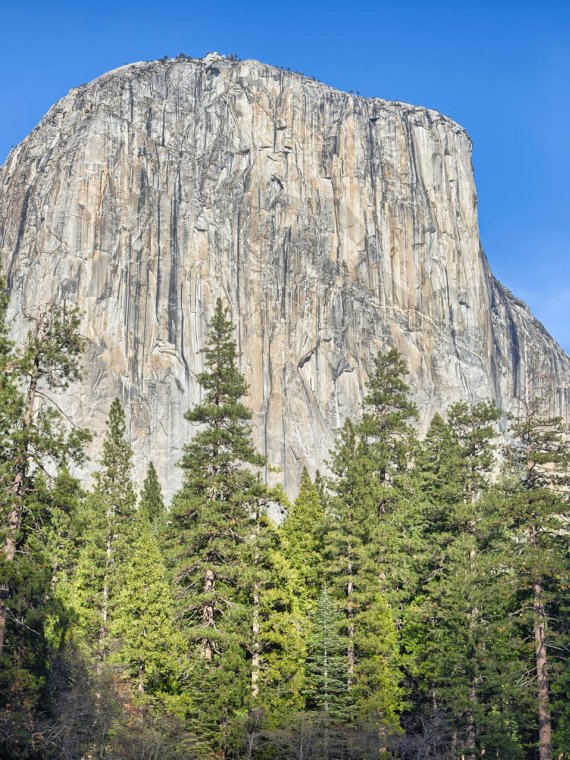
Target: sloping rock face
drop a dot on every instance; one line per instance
(334, 226)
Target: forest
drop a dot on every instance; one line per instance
(412, 603)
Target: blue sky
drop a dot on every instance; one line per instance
(501, 69)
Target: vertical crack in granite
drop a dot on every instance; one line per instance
(334, 225)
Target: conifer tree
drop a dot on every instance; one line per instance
(143, 631)
(278, 646)
(62, 531)
(108, 531)
(213, 521)
(474, 428)
(454, 625)
(304, 536)
(370, 460)
(36, 436)
(561, 680)
(327, 663)
(151, 501)
(538, 512)
(59, 505)
(35, 439)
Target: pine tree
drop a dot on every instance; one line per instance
(327, 663)
(370, 460)
(59, 505)
(561, 680)
(109, 528)
(304, 535)
(538, 512)
(145, 638)
(35, 439)
(213, 537)
(35, 434)
(278, 645)
(474, 428)
(151, 501)
(461, 662)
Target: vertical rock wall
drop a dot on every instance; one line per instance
(334, 226)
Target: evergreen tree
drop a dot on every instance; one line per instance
(61, 533)
(474, 428)
(109, 529)
(35, 439)
(370, 461)
(278, 645)
(304, 536)
(151, 502)
(461, 663)
(143, 629)
(213, 537)
(35, 434)
(59, 506)
(561, 680)
(538, 512)
(327, 664)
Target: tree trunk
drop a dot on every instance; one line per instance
(256, 646)
(471, 739)
(326, 677)
(17, 489)
(106, 587)
(470, 742)
(544, 719)
(208, 615)
(140, 684)
(350, 627)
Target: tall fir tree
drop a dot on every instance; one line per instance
(327, 663)
(143, 629)
(474, 428)
(370, 459)
(460, 658)
(538, 513)
(109, 529)
(278, 645)
(213, 539)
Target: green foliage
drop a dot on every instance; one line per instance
(370, 461)
(145, 638)
(327, 663)
(113, 481)
(109, 530)
(35, 440)
(214, 532)
(534, 562)
(304, 541)
(474, 428)
(151, 503)
(414, 589)
(278, 626)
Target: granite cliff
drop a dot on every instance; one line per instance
(333, 225)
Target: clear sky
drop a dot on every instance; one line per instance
(500, 68)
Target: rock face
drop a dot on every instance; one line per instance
(333, 225)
